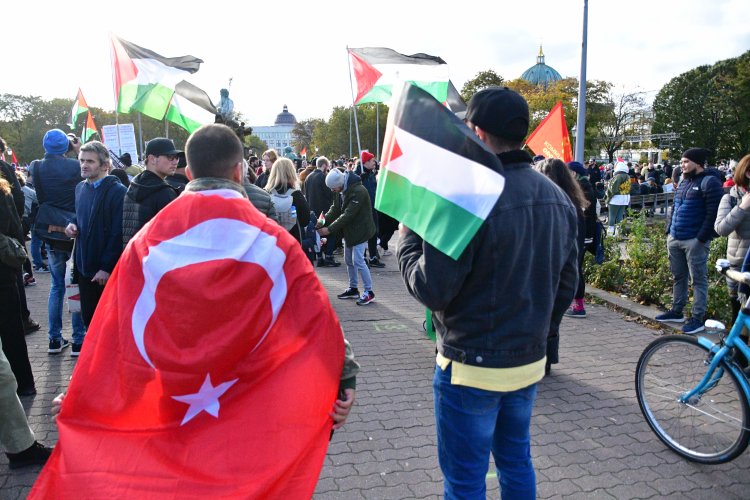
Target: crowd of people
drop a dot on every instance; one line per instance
(497, 325)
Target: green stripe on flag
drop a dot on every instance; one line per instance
(151, 99)
(382, 93)
(174, 115)
(443, 224)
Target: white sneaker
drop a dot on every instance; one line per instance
(386, 253)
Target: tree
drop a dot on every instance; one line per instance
(302, 134)
(484, 79)
(708, 106)
(332, 138)
(255, 144)
(622, 115)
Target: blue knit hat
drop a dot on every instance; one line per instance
(56, 142)
(577, 167)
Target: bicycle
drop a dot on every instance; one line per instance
(692, 391)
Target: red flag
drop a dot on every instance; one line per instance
(13, 158)
(551, 136)
(209, 369)
(303, 152)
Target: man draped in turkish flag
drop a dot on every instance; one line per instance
(212, 361)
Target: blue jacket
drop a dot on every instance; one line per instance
(695, 205)
(55, 180)
(99, 220)
(495, 306)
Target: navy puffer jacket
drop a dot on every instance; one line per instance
(695, 205)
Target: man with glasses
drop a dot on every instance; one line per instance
(148, 192)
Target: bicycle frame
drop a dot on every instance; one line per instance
(720, 352)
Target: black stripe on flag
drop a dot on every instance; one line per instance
(195, 95)
(190, 64)
(420, 114)
(383, 55)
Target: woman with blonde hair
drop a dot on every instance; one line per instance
(289, 202)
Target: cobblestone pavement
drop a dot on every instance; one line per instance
(589, 439)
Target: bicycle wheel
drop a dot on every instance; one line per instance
(713, 427)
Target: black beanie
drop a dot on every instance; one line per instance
(697, 155)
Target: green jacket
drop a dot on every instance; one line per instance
(352, 217)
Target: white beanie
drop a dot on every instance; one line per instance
(335, 179)
(622, 167)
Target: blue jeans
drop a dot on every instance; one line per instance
(616, 214)
(57, 260)
(36, 250)
(689, 258)
(471, 423)
(354, 257)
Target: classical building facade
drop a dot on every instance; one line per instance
(279, 135)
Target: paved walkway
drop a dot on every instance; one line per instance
(589, 437)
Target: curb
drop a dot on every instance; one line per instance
(621, 303)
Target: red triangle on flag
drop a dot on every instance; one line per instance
(365, 74)
(123, 67)
(391, 150)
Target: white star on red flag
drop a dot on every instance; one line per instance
(206, 399)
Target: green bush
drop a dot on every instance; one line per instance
(642, 271)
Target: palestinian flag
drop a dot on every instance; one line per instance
(376, 69)
(145, 80)
(175, 394)
(79, 107)
(190, 107)
(437, 178)
(90, 128)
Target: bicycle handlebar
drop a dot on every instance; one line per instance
(722, 266)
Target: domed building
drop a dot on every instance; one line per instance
(540, 73)
(279, 135)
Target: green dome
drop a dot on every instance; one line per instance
(540, 73)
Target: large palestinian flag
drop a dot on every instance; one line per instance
(210, 367)
(144, 80)
(190, 107)
(437, 178)
(377, 69)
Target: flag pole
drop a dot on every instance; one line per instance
(581, 120)
(140, 132)
(377, 130)
(354, 105)
(114, 91)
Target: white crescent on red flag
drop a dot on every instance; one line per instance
(210, 367)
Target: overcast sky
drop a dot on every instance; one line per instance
(294, 52)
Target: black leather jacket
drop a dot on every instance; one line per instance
(496, 304)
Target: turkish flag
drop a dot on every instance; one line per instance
(210, 367)
(550, 138)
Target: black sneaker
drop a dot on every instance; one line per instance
(29, 390)
(75, 350)
(349, 293)
(366, 298)
(56, 346)
(30, 326)
(330, 262)
(36, 454)
(375, 262)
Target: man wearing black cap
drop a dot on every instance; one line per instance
(148, 191)
(494, 308)
(690, 231)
